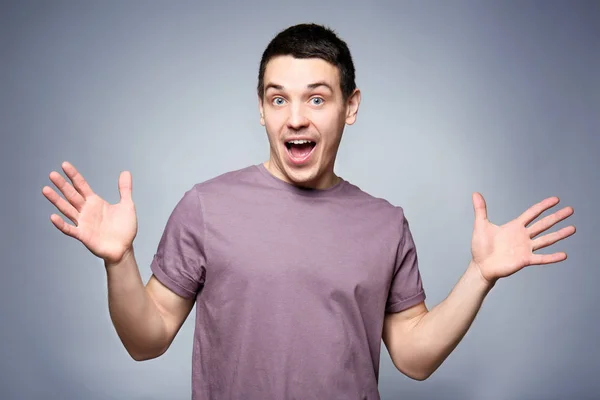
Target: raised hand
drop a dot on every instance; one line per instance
(500, 251)
(107, 230)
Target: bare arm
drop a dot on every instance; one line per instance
(419, 340)
(146, 318)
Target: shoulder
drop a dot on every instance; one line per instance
(226, 190)
(389, 217)
(218, 193)
(371, 203)
(239, 181)
(229, 178)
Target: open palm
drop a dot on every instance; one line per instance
(500, 251)
(107, 230)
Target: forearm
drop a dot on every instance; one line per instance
(135, 317)
(437, 333)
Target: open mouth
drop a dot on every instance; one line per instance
(300, 150)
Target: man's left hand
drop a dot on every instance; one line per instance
(500, 251)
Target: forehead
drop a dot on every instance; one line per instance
(297, 73)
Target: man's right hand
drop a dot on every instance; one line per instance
(107, 230)
(146, 318)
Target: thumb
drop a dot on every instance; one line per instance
(479, 207)
(125, 185)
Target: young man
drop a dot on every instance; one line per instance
(296, 273)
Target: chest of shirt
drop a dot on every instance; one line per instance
(317, 246)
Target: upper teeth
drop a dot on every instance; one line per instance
(299, 141)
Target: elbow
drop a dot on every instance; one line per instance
(420, 376)
(417, 365)
(417, 373)
(140, 355)
(143, 357)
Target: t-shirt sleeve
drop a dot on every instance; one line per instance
(406, 289)
(179, 262)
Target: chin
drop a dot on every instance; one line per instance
(304, 176)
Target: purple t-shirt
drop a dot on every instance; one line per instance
(291, 285)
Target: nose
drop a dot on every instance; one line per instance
(296, 118)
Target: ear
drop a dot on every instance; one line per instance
(261, 110)
(352, 107)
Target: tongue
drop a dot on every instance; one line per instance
(300, 150)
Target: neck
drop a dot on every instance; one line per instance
(325, 181)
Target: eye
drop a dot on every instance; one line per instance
(278, 101)
(317, 101)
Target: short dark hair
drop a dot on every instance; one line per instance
(311, 41)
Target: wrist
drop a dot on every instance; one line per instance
(127, 254)
(475, 270)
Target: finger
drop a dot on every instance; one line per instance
(63, 206)
(72, 195)
(551, 238)
(62, 226)
(78, 181)
(125, 185)
(542, 259)
(536, 210)
(549, 221)
(479, 207)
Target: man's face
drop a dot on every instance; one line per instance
(304, 113)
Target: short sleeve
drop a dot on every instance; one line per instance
(406, 289)
(179, 262)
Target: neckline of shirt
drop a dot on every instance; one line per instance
(281, 184)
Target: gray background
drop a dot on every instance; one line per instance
(498, 97)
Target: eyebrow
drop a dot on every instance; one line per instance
(309, 86)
